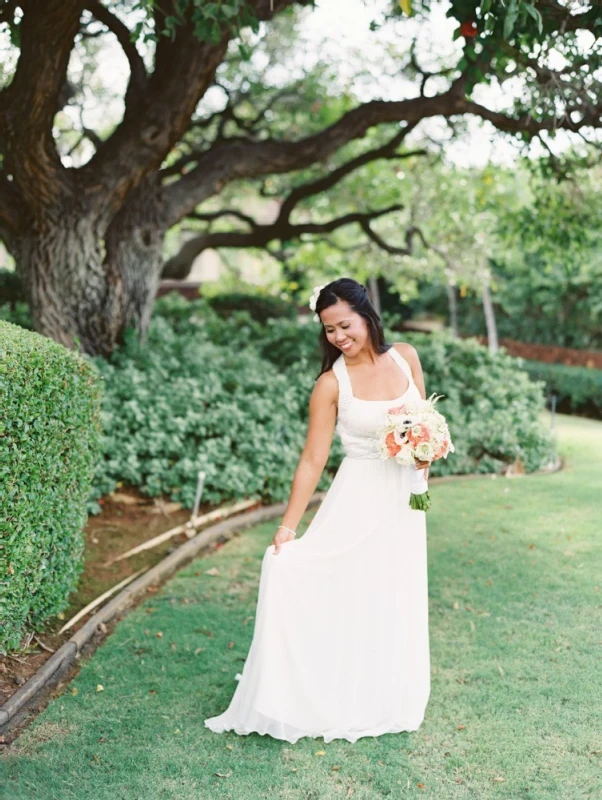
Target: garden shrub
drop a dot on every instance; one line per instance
(49, 448)
(578, 389)
(182, 403)
(492, 407)
(261, 307)
(230, 397)
(12, 290)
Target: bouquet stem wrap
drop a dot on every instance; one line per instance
(420, 499)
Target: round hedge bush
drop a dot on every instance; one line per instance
(49, 448)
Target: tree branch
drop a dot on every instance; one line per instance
(411, 232)
(138, 74)
(156, 119)
(179, 266)
(326, 182)
(29, 103)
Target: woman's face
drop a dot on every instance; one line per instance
(345, 328)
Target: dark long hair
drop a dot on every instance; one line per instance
(358, 298)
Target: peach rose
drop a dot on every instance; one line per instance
(392, 447)
(423, 436)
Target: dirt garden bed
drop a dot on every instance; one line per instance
(549, 354)
(127, 519)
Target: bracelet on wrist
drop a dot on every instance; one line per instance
(288, 529)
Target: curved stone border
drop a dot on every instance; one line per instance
(70, 650)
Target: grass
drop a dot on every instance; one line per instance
(515, 631)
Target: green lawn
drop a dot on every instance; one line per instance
(516, 653)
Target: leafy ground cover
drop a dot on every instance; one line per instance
(515, 620)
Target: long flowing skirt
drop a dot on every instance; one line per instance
(340, 646)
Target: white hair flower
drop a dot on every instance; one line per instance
(314, 299)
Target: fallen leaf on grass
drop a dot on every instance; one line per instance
(100, 687)
(212, 571)
(74, 690)
(320, 753)
(198, 650)
(229, 747)
(499, 780)
(460, 727)
(223, 774)
(230, 645)
(336, 767)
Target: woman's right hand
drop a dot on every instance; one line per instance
(281, 536)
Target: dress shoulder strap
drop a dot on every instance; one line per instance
(403, 364)
(345, 394)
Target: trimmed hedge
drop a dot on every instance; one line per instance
(49, 448)
(578, 389)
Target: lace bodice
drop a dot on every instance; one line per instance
(358, 420)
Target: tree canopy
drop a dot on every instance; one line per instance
(87, 238)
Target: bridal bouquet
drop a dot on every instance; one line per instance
(412, 431)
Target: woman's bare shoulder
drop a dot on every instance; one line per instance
(406, 350)
(326, 386)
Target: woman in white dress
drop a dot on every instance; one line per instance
(340, 648)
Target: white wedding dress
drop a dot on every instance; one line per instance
(340, 648)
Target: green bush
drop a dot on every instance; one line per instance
(230, 397)
(201, 400)
(17, 315)
(260, 307)
(49, 448)
(578, 389)
(12, 290)
(492, 407)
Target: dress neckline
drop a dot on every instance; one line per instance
(395, 399)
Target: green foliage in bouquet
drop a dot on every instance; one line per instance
(49, 447)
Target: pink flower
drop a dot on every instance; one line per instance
(397, 410)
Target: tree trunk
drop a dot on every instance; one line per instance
(374, 293)
(452, 301)
(90, 285)
(489, 317)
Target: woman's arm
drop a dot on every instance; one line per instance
(411, 356)
(322, 421)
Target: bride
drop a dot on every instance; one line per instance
(340, 647)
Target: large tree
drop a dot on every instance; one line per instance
(88, 240)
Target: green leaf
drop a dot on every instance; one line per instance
(536, 16)
(510, 19)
